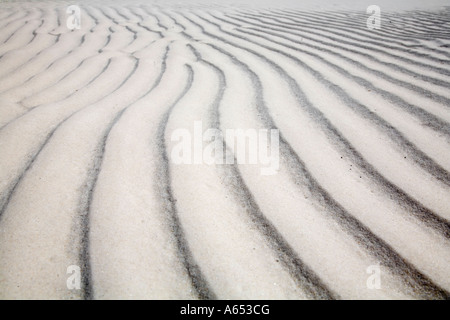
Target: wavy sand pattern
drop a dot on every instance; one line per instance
(86, 177)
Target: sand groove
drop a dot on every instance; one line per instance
(86, 177)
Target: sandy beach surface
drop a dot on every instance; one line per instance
(94, 206)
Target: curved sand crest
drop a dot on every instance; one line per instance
(87, 179)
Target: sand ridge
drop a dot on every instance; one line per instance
(86, 177)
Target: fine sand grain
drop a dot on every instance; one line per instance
(87, 178)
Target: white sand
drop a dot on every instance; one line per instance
(86, 177)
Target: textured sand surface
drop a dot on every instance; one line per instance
(86, 177)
